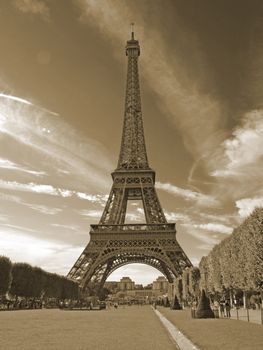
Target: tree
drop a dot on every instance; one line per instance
(185, 285)
(53, 286)
(69, 289)
(194, 281)
(5, 274)
(103, 293)
(166, 302)
(22, 283)
(237, 262)
(215, 270)
(175, 304)
(178, 286)
(251, 236)
(203, 309)
(203, 267)
(28, 281)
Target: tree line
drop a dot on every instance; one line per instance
(233, 266)
(24, 280)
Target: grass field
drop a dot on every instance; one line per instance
(217, 334)
(125, 328)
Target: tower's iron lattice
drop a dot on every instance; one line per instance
(112, 242)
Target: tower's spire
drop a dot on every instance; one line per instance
(132, 31)
(133, 151)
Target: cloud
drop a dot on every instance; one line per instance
(247, 205)
(30, 187)
(142, 274)
(40, 208)
(15, 98)
(214, 227)
(49, 190)
(93, 198)
(137, 216)
(44, 209)
(67, 227)
(207, 239)
(4, 217)
(49, 255)
(91, 213)
(7, 164)
(36, 7)
(243, 149)
(171, 216)
(225, 218)
(199, 198)
(62, 150)
(18, 228)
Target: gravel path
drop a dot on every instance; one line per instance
(125, 328)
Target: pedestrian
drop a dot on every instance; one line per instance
(227, 306)
(216, 309)
(222, 308)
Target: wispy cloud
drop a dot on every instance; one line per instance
(44, 209)
(51, 190)
(247, 205)
(37, 207)
(171, 216)
(220, 228)
(225, 218)
(67, 227)
(31, 187)
(63, 151)
(91, 213)
(7, 164)
(207, 239)
(94, 198)
(199, 198)
(36, 7)
(21, 229)
(4, 217)
(15, 98)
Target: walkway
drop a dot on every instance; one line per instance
(125, 328)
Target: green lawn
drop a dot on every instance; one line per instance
(217, 334)
(125, 328)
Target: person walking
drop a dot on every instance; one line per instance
(227, 306)
(222, 308)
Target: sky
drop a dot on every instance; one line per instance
(62, 88)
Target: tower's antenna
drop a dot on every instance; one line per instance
(132, 31)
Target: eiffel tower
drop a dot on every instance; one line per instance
(112, 242)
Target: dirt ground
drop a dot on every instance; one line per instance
(216, 334)
(125, 328)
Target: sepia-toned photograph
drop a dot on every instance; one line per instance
(131, 174)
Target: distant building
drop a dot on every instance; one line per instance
(139, 286)
(127, 289)
(146, 294)
(126, 284)
(149, 286)
(161, 284)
